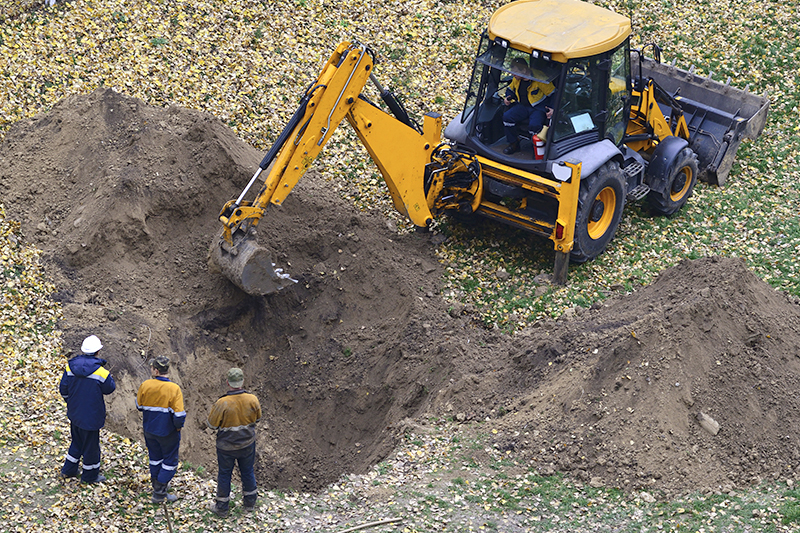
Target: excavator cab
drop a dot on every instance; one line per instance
(492, 74)
(593, 103)
(589, 102)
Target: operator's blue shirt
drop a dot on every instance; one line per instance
(82, 386)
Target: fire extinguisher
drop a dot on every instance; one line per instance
(538, 147)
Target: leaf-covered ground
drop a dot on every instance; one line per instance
(248, 62)
(442, 476)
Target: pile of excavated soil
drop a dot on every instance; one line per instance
(123, 198)
(688, 383)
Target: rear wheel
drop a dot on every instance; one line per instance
(680, 184)
(600, 203)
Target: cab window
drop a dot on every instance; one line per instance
(617, 97)
(580, 101)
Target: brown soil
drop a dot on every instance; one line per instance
(123, 199)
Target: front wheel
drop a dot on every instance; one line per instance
(600, 203)
(680, 184)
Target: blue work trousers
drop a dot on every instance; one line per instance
(517, 114)
(163, 454)
(84, 444)
(226, 459)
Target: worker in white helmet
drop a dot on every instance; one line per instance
(84, 383)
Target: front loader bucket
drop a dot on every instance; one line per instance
(719, 116)
(249, 266)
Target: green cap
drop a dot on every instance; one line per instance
(160, 363)
(235, 377)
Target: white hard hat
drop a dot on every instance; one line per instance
(91, 344)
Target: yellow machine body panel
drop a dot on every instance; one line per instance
(401, 155)
(565, 28)
(566, 193)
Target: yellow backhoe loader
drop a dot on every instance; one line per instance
(618, 127)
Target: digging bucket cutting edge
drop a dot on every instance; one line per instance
(249, 266)
(719, 116)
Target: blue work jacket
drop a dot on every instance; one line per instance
(82, 386)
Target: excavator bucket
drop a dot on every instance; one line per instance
(719, 116)
(249, 266)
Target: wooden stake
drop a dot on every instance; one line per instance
(166, 513)
(372, 524)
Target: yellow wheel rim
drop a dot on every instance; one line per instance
(681, 182)
(602, 213)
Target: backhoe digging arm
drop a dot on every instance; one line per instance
(402, 168)
(396, 145)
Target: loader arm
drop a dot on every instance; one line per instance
(648, 125)
(399, 149)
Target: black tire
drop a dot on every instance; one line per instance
(600, 203)
(680, 185)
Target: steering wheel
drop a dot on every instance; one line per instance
(577, 72)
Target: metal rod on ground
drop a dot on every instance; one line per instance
(372, 524)
(166, 513)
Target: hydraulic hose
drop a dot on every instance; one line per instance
(282, 139)
(393, 104)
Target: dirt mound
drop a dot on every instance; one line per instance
(619, 392)
(123, 199)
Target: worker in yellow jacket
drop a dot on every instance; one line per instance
(234, 418)
(527, 99)
(163, 415)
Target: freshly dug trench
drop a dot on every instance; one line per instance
(125, 238)
(363, 340)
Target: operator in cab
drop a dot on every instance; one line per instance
(526, 99)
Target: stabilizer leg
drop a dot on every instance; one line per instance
(560, 268)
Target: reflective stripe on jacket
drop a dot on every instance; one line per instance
(234, 416)
(161, 404)
(537, 91)
(82, 386)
